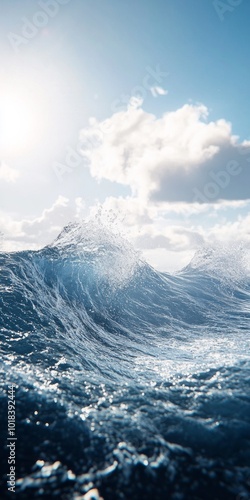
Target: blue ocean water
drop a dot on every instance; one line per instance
(130, 383)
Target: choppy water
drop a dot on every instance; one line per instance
(130, 383)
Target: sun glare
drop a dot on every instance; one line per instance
(17, 117)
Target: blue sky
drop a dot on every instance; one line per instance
(86, 59)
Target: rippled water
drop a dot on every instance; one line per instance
(130, 383)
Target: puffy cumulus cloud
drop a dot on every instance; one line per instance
(129, 210)
(36, 232)
(150, 227)
(8, 174)
(174, 238)
(168, 235)
(179, 157)
(170, 247)
(237, 231)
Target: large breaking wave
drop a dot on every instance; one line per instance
(130, 383)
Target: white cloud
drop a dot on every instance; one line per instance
(171, 247)
(166, 235)
(169, 234)
(179, 157)
(36, 232)
(158, 91)
(8, 174)
(163, 160)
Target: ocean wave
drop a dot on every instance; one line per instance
(130, 382)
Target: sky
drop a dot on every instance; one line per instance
(137, 110)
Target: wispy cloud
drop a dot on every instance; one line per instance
(158, 91)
